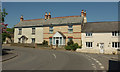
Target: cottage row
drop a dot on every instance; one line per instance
(95, 37)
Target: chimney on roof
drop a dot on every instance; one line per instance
(82, 13)
(21, 18)
(46, 16)
(49, 16)
(85, 19)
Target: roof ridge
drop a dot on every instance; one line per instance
(53, 18)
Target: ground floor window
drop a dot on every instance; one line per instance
(33, 40)
(70, 39)
(19, 40)
(88, 44)
(115, 44)
(50, 39)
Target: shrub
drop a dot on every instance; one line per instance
(70, 42)
(74, 46)
(67, 47)
(45, 42)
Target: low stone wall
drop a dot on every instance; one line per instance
(110, 51)
(24, 45)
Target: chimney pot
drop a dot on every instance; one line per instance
(49, 16)
(46, 16)
(21, 18)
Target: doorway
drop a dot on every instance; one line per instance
(101, 46)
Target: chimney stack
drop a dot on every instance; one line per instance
(49, 16)
(46, 16)
(85, 19)
(82, 13)
(21, 18)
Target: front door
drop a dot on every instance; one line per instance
(101, 45)
(57, 42)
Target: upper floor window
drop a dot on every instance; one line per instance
(51, 29)
(115, 33)
(33, 31)
(20, 31)
(89, 44)
(115, 44)
(89, 34)
(70, 28)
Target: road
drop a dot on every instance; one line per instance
(37, 59)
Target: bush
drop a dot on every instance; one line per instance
(67, 47)
(45, 42)
(74, 46)
(70, 42)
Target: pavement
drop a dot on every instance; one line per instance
(40, 59)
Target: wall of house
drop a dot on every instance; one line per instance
(97, 38)
(64, 29)
(28, 33)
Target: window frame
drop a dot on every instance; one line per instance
(70, 28)
(33, 31)
(88, 34)
(90, 43)
(32, 40)
(51, 29)
(20, 31)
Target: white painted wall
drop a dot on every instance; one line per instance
(105, 38)
(28, 33)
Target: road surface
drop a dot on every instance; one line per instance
(37, 59)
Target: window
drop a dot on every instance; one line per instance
(115, 44)
(50, 39)
(33, 40)
(51, 29)
(70, 29)
(20, 31)
(115, 33)
(88, 34)
(33, 31)
(18, 40)
(89, 44)
(70, 39)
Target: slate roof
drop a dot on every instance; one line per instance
(53, 21)
(62, 34)
(101, 27)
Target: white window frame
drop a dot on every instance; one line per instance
(51, 29)
(33, 31)
(118, 45)
(70, 28)
(88, 34)
(115, 33)
(20, 31)
(32, 40)
(91, 44)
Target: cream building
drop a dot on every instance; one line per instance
(57, 30)
(100, 37)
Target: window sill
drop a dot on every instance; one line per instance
(88, 36)
(89, 47)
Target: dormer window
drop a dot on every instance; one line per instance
(51, 29)
(89, 34)
(70, 28)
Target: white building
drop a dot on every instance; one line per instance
(26, 32)
(100, 37)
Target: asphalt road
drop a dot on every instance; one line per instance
(36, 59)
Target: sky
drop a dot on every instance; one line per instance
(96, 11)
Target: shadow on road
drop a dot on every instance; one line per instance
(114, 66)
(6, 51)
